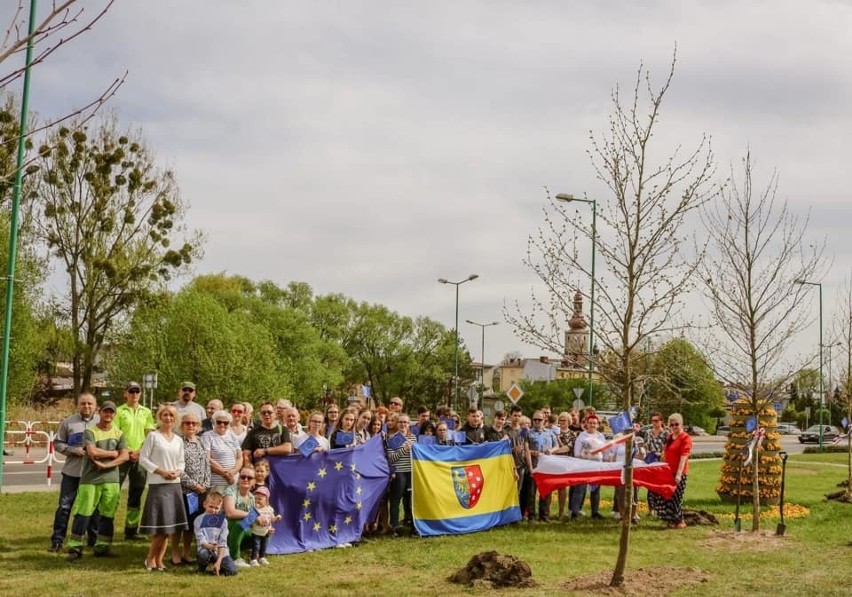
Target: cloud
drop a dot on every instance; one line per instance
(370, 147)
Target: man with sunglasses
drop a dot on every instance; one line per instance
(542, 441)
(186, 403)
(135, 421)
(270, 438)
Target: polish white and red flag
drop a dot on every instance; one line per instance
(556, 472)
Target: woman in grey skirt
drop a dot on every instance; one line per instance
(164, 514)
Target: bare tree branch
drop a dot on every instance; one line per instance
(640, 240)
(753, 279)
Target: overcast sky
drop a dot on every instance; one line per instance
(370, 148)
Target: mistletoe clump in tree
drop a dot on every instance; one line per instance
(113, 220)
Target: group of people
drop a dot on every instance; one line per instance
(206, 469)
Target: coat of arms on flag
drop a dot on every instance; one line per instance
(468, 482)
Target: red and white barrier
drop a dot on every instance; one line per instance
(27, 435)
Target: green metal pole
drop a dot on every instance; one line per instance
(13, 234)
(821, 388)
(592, 306)
(482, 368)
(456, 376)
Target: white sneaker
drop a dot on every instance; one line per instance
(241, 563)
(254, 563)
(616, 515)
(264, 561)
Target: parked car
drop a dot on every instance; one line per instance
(789, 429)
(811, 434)
(695, 430)
(723, 430)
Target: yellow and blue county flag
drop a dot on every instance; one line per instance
(463, 489)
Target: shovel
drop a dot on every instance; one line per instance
(738, 524)
(781, 528)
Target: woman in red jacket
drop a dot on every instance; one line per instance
(676, 454)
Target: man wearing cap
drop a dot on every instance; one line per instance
(69, 443)
(134, 421)
(186, 402)
(99, 488)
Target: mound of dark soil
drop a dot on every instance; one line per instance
(494, 570)
(696, 517)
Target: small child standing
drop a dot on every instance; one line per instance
(211, 536)
(261, 473)
(261, 528)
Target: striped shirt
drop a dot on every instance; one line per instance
(223, 450)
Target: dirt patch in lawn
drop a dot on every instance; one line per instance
(765, 540)
(639, 582)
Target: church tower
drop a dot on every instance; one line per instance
(577, 338)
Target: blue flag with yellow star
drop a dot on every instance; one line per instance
(326, 498)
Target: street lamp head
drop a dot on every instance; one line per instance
(471, 322)
(473, 276)
(494, 323)
(443, 281)
(567, 197)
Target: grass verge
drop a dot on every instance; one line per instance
(812, 557)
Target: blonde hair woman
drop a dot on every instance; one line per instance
(162, 455)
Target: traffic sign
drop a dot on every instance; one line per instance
(514, 393)
(473, 396)
(149, 380)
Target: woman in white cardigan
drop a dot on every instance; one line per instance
(164, 513)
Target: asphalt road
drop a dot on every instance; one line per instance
(29, 477)
(716, 443)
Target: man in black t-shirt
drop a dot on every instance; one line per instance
(497, 431)
(270, 438)
(473, 429)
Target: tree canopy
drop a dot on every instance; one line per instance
(113, 221)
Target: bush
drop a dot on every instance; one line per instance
(826, 449)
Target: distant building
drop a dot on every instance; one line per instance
(574, 363)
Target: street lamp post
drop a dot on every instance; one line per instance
(830, 348)
(567, 199)
(821, 387)
(456, 376)
(483, 326)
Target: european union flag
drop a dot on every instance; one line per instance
(463, 489)
(325, 499)
(620, 422)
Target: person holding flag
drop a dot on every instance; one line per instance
(542, 441)
(586, 446)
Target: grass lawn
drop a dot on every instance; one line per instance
(812, 559)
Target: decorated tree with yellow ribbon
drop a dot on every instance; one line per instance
(736, 478)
